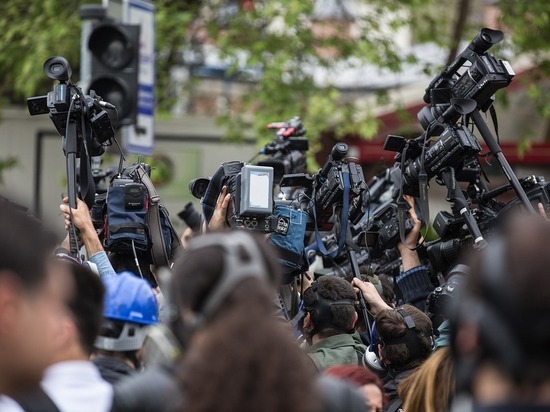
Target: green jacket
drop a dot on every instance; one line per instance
(342, 349)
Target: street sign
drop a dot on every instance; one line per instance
(140, 139)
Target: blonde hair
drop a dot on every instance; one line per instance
(432, 386)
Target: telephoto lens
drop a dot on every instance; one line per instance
(191, 217)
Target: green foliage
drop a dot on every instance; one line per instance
(32, 31)
(281, 39)
(528, 25)
(278, 37)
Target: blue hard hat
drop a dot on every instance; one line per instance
(130, 299)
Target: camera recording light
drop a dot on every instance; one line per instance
(256, 190)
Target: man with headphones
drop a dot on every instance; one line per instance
(501, 327)
(329, 323)
(405, 339)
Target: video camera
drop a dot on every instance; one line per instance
(455, 148)
(474, 74)
(251, 205)
(287, 152)
(328, 189)
(67, 102)
(85, 128)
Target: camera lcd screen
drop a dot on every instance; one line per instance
(256, 190)
(259, 190)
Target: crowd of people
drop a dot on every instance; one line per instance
(210, 333)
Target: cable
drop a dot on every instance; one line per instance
(136, 259)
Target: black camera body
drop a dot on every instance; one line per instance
(329, 188)
(287, 152)
(191, 217)
(66, 101)
(384, 230)
(440, 302)
(456, 145)
(251, 206)
(482, 77)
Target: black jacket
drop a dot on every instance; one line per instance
(112, 369)
(391, 382)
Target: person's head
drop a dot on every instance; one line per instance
(211, 267)
(330, 307)
(502, 324)
(130, 307)
(369, 384)
(405, 337)
(83, 297)
(30, 303)
(240, 357)
(431, 387)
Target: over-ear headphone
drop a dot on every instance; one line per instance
(236, 268)
(412, 338)
(320, 309)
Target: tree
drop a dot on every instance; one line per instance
(286, 41)
(32, 31)
(528, 24)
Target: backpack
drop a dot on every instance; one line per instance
(135, 220)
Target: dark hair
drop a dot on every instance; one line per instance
(25, 245)
(390, 324)
(86, 304)
(245, 359)
(192, 290)
(333, 288)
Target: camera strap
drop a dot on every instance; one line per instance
(158, 249)
(343, 222)
(87, 184)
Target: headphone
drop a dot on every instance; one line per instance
(236, 269)
(320, 310)
(411, 338)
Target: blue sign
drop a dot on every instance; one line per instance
(140, 139)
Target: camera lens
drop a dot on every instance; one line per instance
(198, 186)
(56, 68)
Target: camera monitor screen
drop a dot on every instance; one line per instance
(259, 189)
(256, 190)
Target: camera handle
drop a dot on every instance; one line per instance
(496, 150)
(460, 203)
(70, 146)
(352, 256)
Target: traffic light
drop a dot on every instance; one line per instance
(114, 51)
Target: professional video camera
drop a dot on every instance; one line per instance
(84, 125)
(339, 184)
(252, 205)
(287, 152)
(474, 74)
(457, 147)
(67, 104)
